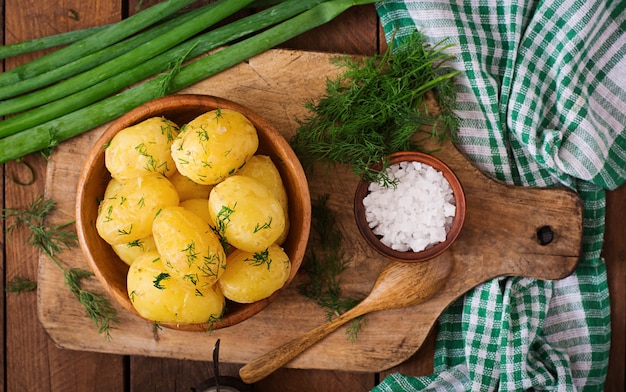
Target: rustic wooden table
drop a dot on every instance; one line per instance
(32, 362)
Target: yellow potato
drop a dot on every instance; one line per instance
(261, 168)
(214, 146)
(128, 252)
(126, 215)
(191, 251)
(251, 277)
(141, 149)
(112, 188)
(188, 189)
(199, 207)
(158, 296)
(246, 213)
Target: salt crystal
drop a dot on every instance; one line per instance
(415, 214)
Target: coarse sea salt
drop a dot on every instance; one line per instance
(416, 213)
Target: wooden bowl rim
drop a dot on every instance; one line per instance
(199, 103)
(455, 229)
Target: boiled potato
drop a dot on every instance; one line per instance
(130, 251)
(251, 277)
(199, 207)
(187, 189)
(191, 251)
(158, 296)
(214, 146)
(246, 214)
(127, 214)
(112, 189)
(141, 149)
(261, 168)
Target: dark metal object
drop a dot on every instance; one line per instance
(216, 366)
(220, 383)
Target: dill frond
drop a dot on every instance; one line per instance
(52, 240)
(324, 267)
(20, 285)
(377, 106)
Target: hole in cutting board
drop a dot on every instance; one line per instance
(545, 235)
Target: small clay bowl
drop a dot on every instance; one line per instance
(106, 265)
(373, 240)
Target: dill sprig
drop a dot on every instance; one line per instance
(325, 264)
(378, 106)
(20, 285)
(52, 240)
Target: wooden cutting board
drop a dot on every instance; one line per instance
(499, 238)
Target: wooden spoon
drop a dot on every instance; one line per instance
(399, 285)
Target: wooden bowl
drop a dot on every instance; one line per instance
(107, 266)
(373, 240)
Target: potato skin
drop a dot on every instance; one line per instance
(127, 213)
(214, 146)
(246, 213)
(252, 277)
(158, 296)
(191, 251)
(263, 169)
(199, 207)
(142, 149)
(112, 189)
(187, 189)
(128, 252)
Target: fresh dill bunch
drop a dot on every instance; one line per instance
(378, 106)
(324, 266)
(20, 285)
(52, 240)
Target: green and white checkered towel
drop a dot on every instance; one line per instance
(542, 102)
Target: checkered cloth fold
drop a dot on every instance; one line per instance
(542, 102)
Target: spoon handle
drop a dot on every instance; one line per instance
(267, 363)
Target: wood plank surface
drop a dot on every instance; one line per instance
(278, 97)
(492, 244)
(32, 362)
(614, 253)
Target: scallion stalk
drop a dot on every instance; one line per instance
(72, 124)
(93, 42)
(187, 50)
(156, 40)
(83, 64)
(48, 42)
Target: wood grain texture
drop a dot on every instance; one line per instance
(36, 364)
(490, 244)
(399, 285)
(614, 253)
(353, 32)
(348, 36)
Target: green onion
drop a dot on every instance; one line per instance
(48, 42)
(78, 121)
(85, 63)
(204, 43)
(160, 39)
(94, 42)
(69, 37)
